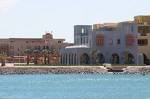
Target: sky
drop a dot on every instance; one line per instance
(32, 18)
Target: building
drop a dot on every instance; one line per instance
(143, 23)
(82, 45)
(15, 47)
(125, 42)
(117, 43)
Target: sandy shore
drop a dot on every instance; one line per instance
(67, 69)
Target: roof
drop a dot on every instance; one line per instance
(77, 46)
(25, 38)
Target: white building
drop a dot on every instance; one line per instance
(116, 43)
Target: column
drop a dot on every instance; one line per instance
(63, 58)
(67, 59)
(73, 58)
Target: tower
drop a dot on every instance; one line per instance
(82, 34)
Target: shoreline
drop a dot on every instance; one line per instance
(69, 70)
(50, 70)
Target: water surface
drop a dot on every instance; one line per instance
(75, 86)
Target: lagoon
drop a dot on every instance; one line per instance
(75, 86)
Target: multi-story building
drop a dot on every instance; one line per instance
(143, 23)
(17, 46)
(117, 43)
(82, 45)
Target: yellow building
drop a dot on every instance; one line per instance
(143, 26)
(142, 20)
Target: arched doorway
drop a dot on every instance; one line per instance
(100, 58)
(146, 60)
(84, 59)
(115, 59)
(130, 59)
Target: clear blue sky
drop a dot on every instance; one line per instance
(31, 18)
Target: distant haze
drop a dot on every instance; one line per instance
(31, 18)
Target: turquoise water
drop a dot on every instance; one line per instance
(75, 86)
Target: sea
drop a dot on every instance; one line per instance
(75, 86)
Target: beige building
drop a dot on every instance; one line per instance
(17, 46)
(143, 23)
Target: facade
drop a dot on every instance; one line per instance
(117, 43)
(125, 42)
(82, 45)
(143, 23)
(15, 47)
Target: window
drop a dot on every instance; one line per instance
(12, 41)
(82, 31)
(132, 28)
(27, 41)
(142, 42)
(143, 30)
(87, 40)
(83, 40)
(118, 41)
(100, 40)
(59, 41)
(130, 40)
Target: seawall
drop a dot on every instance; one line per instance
(51, 70)
(68, 70)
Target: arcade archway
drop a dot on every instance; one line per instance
(84, 59)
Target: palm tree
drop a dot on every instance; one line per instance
(28, 52)
(35, 53)
(51, 53)
(45, 53)
(48, 58)
(3, 58)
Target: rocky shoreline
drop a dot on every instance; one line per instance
(51, 70)
(137, 69)
(68, 70)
